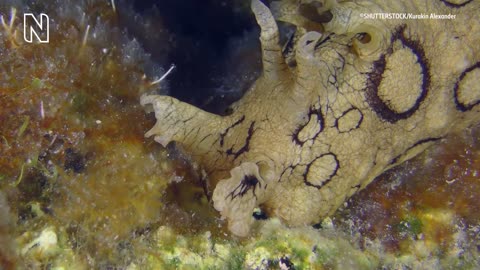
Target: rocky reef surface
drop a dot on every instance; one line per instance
(82, 188)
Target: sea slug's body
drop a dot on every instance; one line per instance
(365, 95)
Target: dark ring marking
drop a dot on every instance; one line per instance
(329, 178)
(427, 140)
(460, 106)
(375, 78)
(246, 146)
(351, 110)
(321, 122)
(453, 5)
(248, 182)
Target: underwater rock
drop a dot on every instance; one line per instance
(274, 246)
(366, 95)
(44, 246)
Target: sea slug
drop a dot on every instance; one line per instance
(358, 96)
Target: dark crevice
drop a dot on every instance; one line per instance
(215, 49)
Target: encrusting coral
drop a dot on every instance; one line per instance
(365, 95)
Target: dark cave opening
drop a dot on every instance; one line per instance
(216, 49)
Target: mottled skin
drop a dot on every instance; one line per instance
(364, 96)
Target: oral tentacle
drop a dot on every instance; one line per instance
(274, 65)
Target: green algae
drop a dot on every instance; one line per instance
(80, 102)
(20, 176)
(37, 83)
(24, 126)
(5, 141)
(411, 225)
(236, 260)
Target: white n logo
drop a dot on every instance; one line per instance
(31, 25)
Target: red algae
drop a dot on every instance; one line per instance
(429, 198)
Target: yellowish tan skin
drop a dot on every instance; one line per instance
(304, 139)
